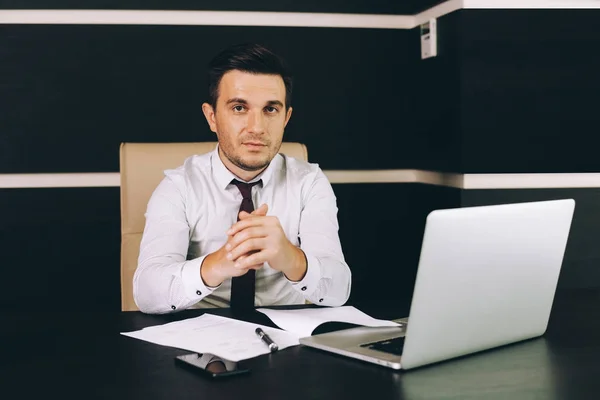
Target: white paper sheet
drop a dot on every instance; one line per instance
(304, 321)
(225, 337)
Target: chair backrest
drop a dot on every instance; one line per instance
(141, 167)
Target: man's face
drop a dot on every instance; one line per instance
(249, 119)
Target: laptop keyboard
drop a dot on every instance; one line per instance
(393, 346)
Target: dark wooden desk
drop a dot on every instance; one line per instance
(57, 354)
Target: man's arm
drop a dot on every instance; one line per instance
(328, 279)
(164, 280)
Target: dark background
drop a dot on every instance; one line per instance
(511, 91)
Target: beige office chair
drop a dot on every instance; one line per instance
(142, 166)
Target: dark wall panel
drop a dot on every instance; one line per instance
(435, 93)
(60, 249)
(331, 6)
(381, 230)
(530, 87)
(70, 94)
(581, 265)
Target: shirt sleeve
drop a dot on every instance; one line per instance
(327, 281)
(164, 280)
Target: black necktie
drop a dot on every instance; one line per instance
(242, 287)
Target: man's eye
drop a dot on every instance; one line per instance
(238, 108)
(271, 110)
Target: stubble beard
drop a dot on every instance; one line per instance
(258, 165)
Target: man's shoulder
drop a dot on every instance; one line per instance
(196, 165)
(306, 177)
(299, 168)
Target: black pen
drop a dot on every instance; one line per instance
(268, 341)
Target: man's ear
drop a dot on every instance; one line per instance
(288, 116)
(209, 113)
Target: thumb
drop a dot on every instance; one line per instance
(259, 212)
(262, 210)
(244, 215)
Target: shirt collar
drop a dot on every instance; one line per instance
(223, 176)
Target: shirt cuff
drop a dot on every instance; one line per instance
(193, 285)
(311, 279)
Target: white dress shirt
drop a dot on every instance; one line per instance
(193, 207)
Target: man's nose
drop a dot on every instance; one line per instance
(256, 122)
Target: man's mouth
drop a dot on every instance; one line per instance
(254, 144)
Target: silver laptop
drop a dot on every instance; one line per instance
(486, 277)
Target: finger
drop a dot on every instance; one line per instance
(245, 247)
(244, 269)
(254, 267)
(240, 237)
(246, 223)
(238, 267)
(257, 258)
(244, 215)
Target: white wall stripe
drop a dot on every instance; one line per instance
(531, 4)
(439, 178)
(59, 180)
(217, 18)
(531, 181)
(253, 18)
(461, 181)
(377, 176)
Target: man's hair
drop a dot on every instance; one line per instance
(251, 58)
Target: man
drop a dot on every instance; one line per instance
(204, 243)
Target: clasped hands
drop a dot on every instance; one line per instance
(255, 239)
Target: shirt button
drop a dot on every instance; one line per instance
(173, 307)
(303, 288)
(320, 300)
(199, 293)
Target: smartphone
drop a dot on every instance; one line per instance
(211, 366)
